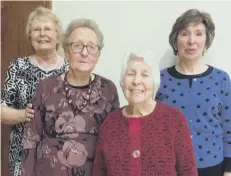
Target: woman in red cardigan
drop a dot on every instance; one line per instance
(146, 137)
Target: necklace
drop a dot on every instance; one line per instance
(47, 69)
(68, 95)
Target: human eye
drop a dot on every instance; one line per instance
(184, 33)
(145, 74)
(77, 45)
(129, 73)
(47, 29)
(199, 33)
(36, 29)
(91, 47)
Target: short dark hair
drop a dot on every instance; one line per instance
(192, 16)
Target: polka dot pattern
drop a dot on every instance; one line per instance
(205, 100)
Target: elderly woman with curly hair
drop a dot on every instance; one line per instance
(69, 109)
(146, 137)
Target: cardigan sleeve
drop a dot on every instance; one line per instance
(185, 160)
(99, 167)
(32, 135)
(225, 114)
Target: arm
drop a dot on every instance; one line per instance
(226, 121)
(185, 160)
(33, 135)
(99, 167)
(9, 100)
(14, 116)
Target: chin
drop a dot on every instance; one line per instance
(83, 70)
(193, 56)
(134, 102)
(45, 48)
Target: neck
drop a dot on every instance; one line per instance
(77, 79)
(139, 110)
(46, 56)
(191, 67)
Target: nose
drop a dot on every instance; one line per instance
(84, 51)
(42, 32)
(136, 80)
(191, 40)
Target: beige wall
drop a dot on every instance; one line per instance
(128, 25)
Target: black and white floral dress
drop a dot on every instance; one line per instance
(20, 83)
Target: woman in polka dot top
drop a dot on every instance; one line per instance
(201, 92)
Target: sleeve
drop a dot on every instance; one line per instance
(185, 160)
(225, 112)
(99, 167)
(33, 135)
(9, 91)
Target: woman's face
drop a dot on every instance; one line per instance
(83, 50)
(43, 35)
(191, 41)
(138, 83)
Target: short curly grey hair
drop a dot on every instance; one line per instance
(44, 13)
(148, 56)
(80, 23)
(192, 16)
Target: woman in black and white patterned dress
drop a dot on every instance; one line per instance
(44, 30)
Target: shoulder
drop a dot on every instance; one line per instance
(169, 113)
(106, 82)
(103, 79)
(112, 119)
(220, 73)
(50, 82)
(20, 62)
(166, 73)
(164, 70)
(51, 79)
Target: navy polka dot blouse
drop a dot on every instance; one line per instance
(205, 100)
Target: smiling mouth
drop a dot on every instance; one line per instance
(136, 91)
(43, 41)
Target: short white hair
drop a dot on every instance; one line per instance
(149, 59)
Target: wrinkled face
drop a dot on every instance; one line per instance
(83, 50)
(138, 83)
(191, 41)
(43, 35)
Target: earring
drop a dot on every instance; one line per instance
(176, 51)
(203, 53)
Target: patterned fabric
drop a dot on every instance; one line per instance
(165, 146)
(21, 80)
(205, 100)
(61, 141)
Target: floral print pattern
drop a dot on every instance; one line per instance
(61, 141)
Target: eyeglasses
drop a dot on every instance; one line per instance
(91, 48)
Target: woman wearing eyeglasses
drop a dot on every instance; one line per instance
(69, 109)
(44, 30)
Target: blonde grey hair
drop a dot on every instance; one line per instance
(44, 13)
(148, 58)
(192, 16)
(82, 23)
